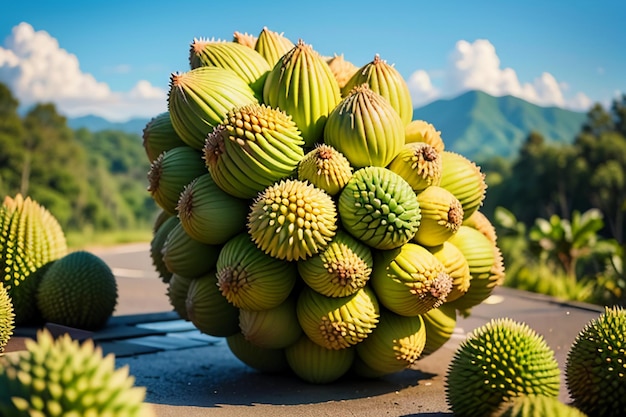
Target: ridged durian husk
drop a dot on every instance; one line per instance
(409, 280)
(342, 69)
(254, 147)
(251, 279)
(456, 266)
(245, 39)
(7, 318)
(439, 323)
(379, 208)
(395, 344)
(272, 45)
(326, 168)
(317, 365)
(341, 269)
(271, 361)
(208, 214)
(242, 60)
(159, 136)
(302, 85)
(480, 222)
(170, 173)
(159, 236)
(365, 128)
(337, 323)
(422, 131)
(499, 361)
(177, 289)
(208, 310)
(30, 239)
(538, 406)
(463, 178)
(442, 216)
(185, 256)
(384, 79)
(419, 164)
(274, 328)
(199, 99)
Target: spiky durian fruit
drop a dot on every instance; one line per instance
(465, 180)
(159, 136)
(208, 310)
(595, 370)
(538, 406)
(274, 328)
(379, 208)
(272, 45)
(384, 79)
(365, 128)
(7, 317)
(337, 323)
(30, 238)
(177, 290)
(442, 216)
(419, 164)
(409, 280)
(208, 214)
(339, 270)
(316, 364)
(78, 290)
(245, 39)
(342, 69)
(395, 344)
(199, 99)
(269, 361)
(292, 220)
(439, 324)
(456, 266)
(251, 279)
(302, 85)
(245, 62)
(253, 147)
(326, 168)
(499, 361)
(422, 131)
(159, 235)
(170, 172)
(63, 377)
(185, 256)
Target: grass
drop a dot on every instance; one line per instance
(89, 239)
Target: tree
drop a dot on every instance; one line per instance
(11, 133)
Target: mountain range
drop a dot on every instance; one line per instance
(474, 124)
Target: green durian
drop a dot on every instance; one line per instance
(439, 324)
(538, 406)
(326, 168)
(419, 164)
(423, 131)
(159, 136)
(456, 266)
(177, 289)
(7, 318)
(442, 216)
(185, 256)
(272, 45)
(159, 236)
(463, 178)
(271, 361)
(274, 328)
(316, 364)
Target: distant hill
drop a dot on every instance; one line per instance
(98, 124)
(480, 126)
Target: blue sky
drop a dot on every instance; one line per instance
(115, 58)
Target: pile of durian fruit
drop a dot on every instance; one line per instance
(306, 217)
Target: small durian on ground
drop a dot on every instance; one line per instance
(78, 290)
(595, 370)
(7, 318)
(64, 377)
(538, 406)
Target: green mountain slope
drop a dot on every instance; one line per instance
(481, 126)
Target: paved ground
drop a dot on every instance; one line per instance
(187, 373)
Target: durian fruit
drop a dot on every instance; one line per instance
(185, 256)
(595, 369)
(379, 208)
(302, 85)
(251, 279)
(30, 238)
(337, 323)
(159, 235)
(395, 344)
(177, 290)
(245, 62)
(199, 99)
(499, 361)
(456, 266)
(480, 222)
(272, 45)
(538, 406)
(419, 164)
(317, 365)
(7, 318)
(422, 131)
(271, 361)
(326, 168)
(274, 328)
(409, 280)
(78, 290)
(63, 377)
(208, 310)
(245, 39)
(465, 180)
(439, 324)
(442, 216)
(339, 270)
(384, 79)
(253, 147)
(208, 214)
(341, 68)
(170, 173)
(365, 128)
(159, 136)
(292, 220)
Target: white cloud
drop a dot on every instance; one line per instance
(37, 69)
(476, 66)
